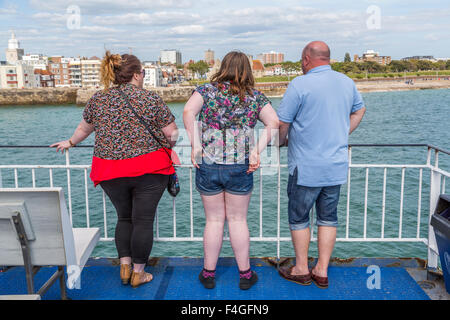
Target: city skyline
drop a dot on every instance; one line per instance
(147, 27)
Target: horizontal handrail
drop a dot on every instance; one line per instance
(350, 145)
(437, 184)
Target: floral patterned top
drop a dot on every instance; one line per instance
(227, 124)
(118, 132)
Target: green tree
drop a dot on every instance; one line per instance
(398, 66)
(371, 66)
(447, 65)
(424, 65)
(199, 67)
(347, 57)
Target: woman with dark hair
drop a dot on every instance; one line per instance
(225, 155)
(131, 164)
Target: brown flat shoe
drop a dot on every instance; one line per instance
(125, 273)
(321, 282)
(286, 273)
(138, 278)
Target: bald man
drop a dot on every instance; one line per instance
(318, 113)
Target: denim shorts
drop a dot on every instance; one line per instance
(301, 200)
(214, 178)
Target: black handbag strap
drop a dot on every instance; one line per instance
(144, 123)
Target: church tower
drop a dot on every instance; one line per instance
(14, 52)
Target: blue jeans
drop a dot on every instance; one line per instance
(212, 179)
(301, 200)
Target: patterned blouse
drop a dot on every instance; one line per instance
(227, 123)
(118, 132)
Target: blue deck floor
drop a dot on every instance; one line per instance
(176, 278)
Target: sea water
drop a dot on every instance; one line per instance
(391, 118)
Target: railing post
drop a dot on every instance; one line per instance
(435, 189)
(69, 189)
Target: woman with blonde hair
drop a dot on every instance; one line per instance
(225, 155)
(134, 134)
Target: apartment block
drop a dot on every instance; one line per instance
(153, 75)
(90, 72)
(271, 57)
(17, 76)
(171, 56)
(371, 55)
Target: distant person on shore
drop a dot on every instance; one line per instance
(130, 165)
(318, 112)
(225, 157)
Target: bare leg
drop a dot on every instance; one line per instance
(138, 267)
(300, 240)
(326, 240)
(236, 213)
(213, 235)
(125, 260)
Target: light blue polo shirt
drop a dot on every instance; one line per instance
(318, 107)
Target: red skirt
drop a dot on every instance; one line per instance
(157, 162)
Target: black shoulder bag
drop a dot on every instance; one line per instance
(174, 186)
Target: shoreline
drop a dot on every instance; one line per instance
(61, 96)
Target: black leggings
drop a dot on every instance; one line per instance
(135, 200)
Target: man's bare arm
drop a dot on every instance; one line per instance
(355, 118)
(284, 128)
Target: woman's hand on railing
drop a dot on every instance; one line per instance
(255, 162)
(62, 145)
(196, 156)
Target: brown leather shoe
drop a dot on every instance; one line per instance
(138, 278)
(286, 273)
(125, 273)
(321, 282)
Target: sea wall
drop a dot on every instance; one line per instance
(170, 94)
(53, 96)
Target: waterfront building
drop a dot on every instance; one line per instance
(17, 76)
(90, 72)
(258, 69)
(271, 57)
(59, 66)
(426, 58)
(153, 75)
(276, 70)
(171, 56)
(75, 72)
(209, 57)
(46, 78)
(37, 61)
(13, 53)
(371, 55)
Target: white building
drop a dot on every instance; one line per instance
(75, 72)
(171, 56)
(13, 53)
(276, 70)
(37, 61)
(18, 76)
(90, 73)
(153, 75)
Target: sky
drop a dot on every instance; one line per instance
(398, 28)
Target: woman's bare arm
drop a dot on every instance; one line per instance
(191, 110)
(83, 131)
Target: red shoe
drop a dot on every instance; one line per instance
(303, 279)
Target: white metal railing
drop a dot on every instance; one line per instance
(437, 186)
